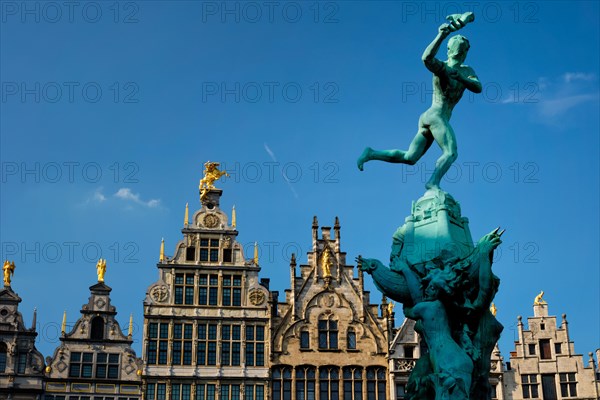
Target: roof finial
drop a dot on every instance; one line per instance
(538, 301)
(130, 330)
(493, 309)
(8, 270)
(256, 253)
(161, 258)
(186, 219)
(63, 327)
(233, 218)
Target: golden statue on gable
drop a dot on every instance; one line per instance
(211, 175)
(8, 270)
(326, 263)
(101, 269)
(538, 301)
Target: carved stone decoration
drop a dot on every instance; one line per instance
(61, 366)
(227, 242)
(159, 293)
(405, 365)
(100, 303)
(257, 297)
(210, 221)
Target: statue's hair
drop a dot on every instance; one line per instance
(456, 43)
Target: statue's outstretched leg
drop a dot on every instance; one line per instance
(420, 144)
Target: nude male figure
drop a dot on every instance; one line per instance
(450, 79)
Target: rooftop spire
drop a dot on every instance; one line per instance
(186, 219)
(63, 327)
(233, 217)
(256, 253)
(130, 330)
(161, 258)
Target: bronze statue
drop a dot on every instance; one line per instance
(450, 79)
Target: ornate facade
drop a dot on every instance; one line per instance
(544, 364)
(207, 318)
(328, 341)
(94, 361)
(21, 364)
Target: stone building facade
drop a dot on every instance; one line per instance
(21, 364)
(544, 364)
(328, 341)
(207, 318)
(94, 360)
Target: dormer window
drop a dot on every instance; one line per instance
(209, 250)
(97, 331)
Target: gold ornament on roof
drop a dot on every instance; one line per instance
(8, 269)
(211, 175)
(326, 263)
(538, 301)
(493, 309)
(101, 269)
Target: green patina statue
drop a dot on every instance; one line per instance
(444, 282)
(450, 79)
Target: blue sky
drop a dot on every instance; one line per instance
(109, 111)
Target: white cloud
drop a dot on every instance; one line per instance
(554, 107)
(578, 76)
(127, 195)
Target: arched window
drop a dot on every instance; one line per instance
(376, 383)
(97, 331)
(351, 339)
(304, 339)
(329, 383)
(352, 383)
(328, 333)
(3, 356)
(305, 382)
(282, 383)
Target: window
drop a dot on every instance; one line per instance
(205, 392)
(304, 339)
(532, 349)
(230, 344)
(409, 351)
(158, 335)
(305, 383)
(97, 331)
(255, 345)
(209, 250)
(180, 391)
(3, 356)
(208, 286)
(494, 391)
(150, 391)
(230, 392)
(352, 383)
(282, 383)
(545, 353)
(21, 363)
(107, 366)
(184, 288)
(207, 344)
(376, 383)
(328, 334)
(182, 344)
(81, 365)
(530, 386)
(51, 397)
(557, 348)
(400, 391)
(255, 392)
(568, 385)
(329, 383)
(227, 255)
(351, 339)
(232, 290)
(190, 253)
